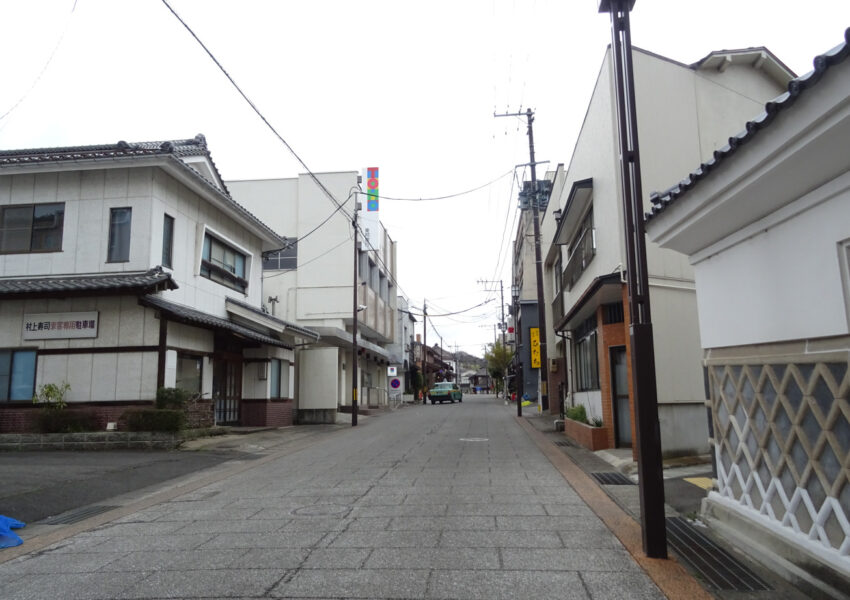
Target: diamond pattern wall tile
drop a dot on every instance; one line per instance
(768, 393)
(830, 465)
(816, 491)
(802, 514)
(783, 425)
(806, 370)
(824, 396)
(799, 458)
(833, 531)
(774, 452)
(838, 371)
(811, 427)
(748, 392)
(787, 482)
(782, 435)
(793, 394)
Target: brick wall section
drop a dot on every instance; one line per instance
(265, 413)
(22, 418)
(200, 414)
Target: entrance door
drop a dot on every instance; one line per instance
(227, 388)
(620, 397)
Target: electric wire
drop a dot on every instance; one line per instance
(257, 111)
(44, 68)
(305, 263)
(480, 187)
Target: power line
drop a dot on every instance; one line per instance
(257, 110)
(451, 313)
(44, 68)
(480, 187)
(304, 264)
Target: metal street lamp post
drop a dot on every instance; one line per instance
(648, 435)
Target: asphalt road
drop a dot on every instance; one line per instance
(38, 485)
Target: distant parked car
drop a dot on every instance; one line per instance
(443, 391)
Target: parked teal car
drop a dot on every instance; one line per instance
(445, 391)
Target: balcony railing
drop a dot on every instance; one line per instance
(583, 253)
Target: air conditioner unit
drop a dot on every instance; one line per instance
(553, 365)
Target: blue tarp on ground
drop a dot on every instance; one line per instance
(8, 538)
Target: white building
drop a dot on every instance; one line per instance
(312, 279)
(765, 225)
(683, 112)
(128, 267)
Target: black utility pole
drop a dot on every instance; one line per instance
(538, 262)
(643, 354)
(425, 349)
(355, 312)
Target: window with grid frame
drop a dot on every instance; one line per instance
(27, 228)
(586, 356)
(223, 264)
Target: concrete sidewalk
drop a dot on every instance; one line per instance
(626, 498)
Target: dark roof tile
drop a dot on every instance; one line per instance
(661, 200)
(86, 285)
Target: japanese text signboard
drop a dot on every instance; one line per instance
(55, 326)
(534, 335)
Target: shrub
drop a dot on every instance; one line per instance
(172, 398)
(578, 413)
(52, 395)
(152, 419)
(50, 420)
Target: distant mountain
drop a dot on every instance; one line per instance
(468, 362)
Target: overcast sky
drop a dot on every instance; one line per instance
(410, 87)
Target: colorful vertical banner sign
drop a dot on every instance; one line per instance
(372, 189)
(534, 336)
(372, 229)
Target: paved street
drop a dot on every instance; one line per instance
(445, 501)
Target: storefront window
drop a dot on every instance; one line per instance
(189, 372)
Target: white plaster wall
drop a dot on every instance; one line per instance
(150, 192)
(92, 377)
(783, 283)
(192, 215)
(318, 382)
(678, 354)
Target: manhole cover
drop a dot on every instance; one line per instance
(319, 510)
(474, 439)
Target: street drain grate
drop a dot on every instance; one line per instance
(612, 479)
(719, 568)
(76, 516)
(564, 443)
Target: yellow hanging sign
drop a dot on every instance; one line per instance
(534, 334)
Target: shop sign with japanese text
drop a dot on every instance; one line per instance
(56, 326)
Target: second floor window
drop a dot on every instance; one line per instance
(119, 234)
(167, 241)
(223, 264)
(31, 228)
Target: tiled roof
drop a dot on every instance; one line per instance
(184, 314)
(176, 149)
(196, 146)
(796, 87)
(86, 285)
(288, 325)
